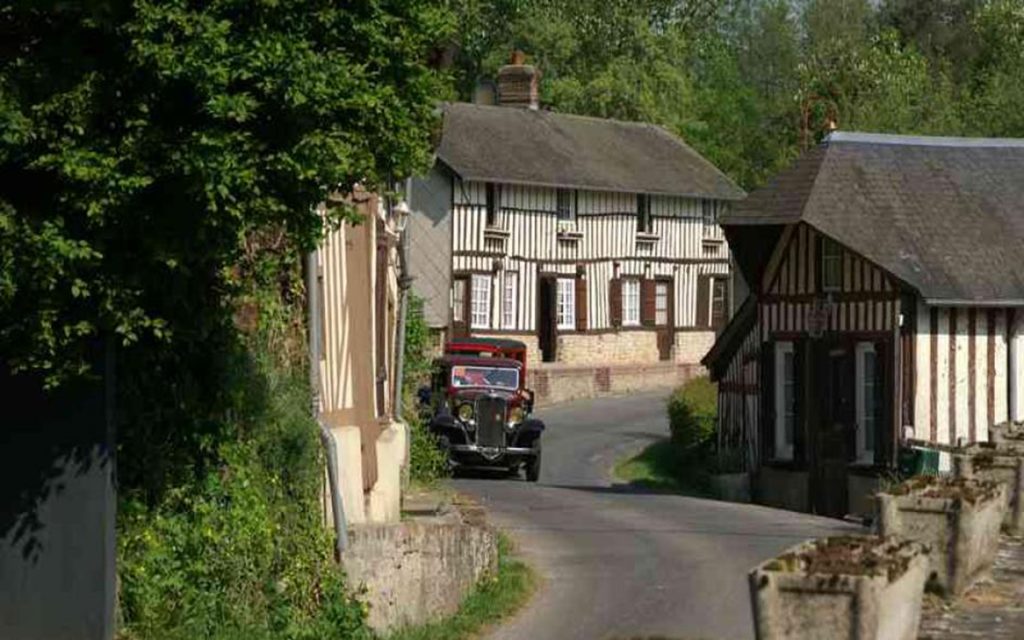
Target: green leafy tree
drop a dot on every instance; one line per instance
(142, 142)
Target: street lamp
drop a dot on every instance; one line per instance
(400, 212)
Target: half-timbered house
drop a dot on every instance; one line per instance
(594, 241)
(886, 277)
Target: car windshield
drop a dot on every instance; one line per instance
(501, 377)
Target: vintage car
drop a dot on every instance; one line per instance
(480, 411)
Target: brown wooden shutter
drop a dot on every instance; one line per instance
(703, 301)
(615, 301)
(581, 303)
(647, 302)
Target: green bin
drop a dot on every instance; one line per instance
(918, 461)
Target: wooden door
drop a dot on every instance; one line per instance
(547, 321)
(831, 380)
(663, 321)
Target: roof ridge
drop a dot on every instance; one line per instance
(565, 114)
(921, 141)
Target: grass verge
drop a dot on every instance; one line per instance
(493, 600)
(665, 466)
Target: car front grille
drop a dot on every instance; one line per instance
(490, 421)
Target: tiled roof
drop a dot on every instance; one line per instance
(945, 215)
(526, 146)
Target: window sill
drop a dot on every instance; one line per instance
(647, 238)
(569, 235)
(496, 232)
(713, 241)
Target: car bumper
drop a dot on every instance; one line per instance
(476, 456)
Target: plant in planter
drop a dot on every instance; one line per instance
(989, 461)
(958, 518)
(863, 587)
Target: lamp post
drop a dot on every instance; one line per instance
(400, 216)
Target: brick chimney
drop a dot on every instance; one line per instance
(518, 83)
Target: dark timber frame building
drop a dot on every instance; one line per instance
(886, 277)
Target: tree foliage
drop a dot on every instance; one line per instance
(142, 142)
(750, 83)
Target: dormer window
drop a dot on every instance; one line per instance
(709, 212)
(492, 196)
(564, 205)
(643, 213)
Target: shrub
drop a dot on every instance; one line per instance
(240, 550)
(427, 463)
(692, 411)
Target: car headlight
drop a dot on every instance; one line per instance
(516, 415)
(465, 412)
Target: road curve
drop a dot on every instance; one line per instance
(621, 564)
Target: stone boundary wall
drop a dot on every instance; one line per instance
(416, 572)
(554, 383)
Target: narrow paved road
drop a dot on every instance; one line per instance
(619, 564)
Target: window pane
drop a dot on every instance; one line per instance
(631, 302)
(563, 205)
(481, 302)
(566, 303)
(661, 304)
(508, 306)
(709, 212)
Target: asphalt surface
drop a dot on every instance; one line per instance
(617, 563)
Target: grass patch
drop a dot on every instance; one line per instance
(493, 600)
(665, 466)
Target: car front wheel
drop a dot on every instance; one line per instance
(533, 466)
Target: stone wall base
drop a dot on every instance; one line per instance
(554, 383)
(416, 572)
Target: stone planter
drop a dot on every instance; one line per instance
(987, 461)
(1007, 436)
(1006, 432)
(731, 487)
(958, 519)
(856, 587)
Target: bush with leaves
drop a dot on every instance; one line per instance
(427, 463)
(692, 411)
